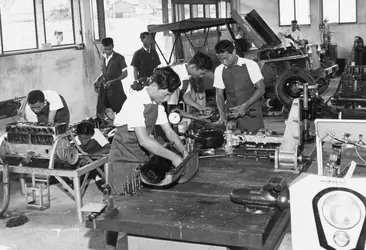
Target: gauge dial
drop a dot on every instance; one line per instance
(174, 117)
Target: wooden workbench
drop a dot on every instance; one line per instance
(200, 211)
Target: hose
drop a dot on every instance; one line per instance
(6, 191)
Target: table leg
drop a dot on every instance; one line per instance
(22, 184)
(78, 199)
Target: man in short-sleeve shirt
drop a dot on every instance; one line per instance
(134, 125)
(146, 59)
(109, 83)
(46, 106)
(242, 81)
(292, 35)
(199, 65)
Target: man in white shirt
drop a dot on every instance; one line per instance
(90, 139)
(242, 81)
(46, 106)
(199, 65)
(292, 35)
(134, 125)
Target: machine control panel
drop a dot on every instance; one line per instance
(39, 133)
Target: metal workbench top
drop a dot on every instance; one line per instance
(200, 211)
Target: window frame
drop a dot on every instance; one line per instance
(339, 13)
(40, 31)
(287, 25)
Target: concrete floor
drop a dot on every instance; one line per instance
(58, 227)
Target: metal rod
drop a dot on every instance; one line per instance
(6, 190)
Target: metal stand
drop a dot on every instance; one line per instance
(38, 194)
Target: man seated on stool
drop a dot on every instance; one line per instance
(91, 141)
(46, 106)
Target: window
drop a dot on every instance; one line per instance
(29, 24)
(340, 11)
(58, 19)
(294, 10)
(18, 30)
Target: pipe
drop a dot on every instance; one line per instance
(6, 191)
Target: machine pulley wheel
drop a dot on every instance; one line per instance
(286, 86)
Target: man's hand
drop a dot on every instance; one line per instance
(222, 120)
(108, 84)
(238, 111)
(177, 160)
(185, 154)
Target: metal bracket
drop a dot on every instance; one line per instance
(287, 155)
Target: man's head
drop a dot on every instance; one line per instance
(199, 65)
(36, 100)
(294, 24)
(85, 131)
(108, 45)
(146, 38)
(59, 35)
(225, 52)
(164, 82)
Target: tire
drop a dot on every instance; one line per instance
(285, 88)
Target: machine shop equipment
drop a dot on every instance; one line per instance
(37, 140)
(346, 139)
(284, 150)
(159, 172)
(258, 200)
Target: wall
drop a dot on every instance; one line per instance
(343, 34)
(70, 72)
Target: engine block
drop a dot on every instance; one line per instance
(39, 140)
(36, 133)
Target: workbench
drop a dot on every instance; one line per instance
(77, 191)
(201, 211)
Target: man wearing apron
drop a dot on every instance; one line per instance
(197, 67)
(91, 141)
(242, 81)
(109, 83)
(46, 106)
(134, 125)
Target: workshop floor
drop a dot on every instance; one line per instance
(57, 227)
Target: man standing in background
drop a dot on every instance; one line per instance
(146, 59)
(109, 84)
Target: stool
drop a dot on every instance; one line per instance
(38, 194)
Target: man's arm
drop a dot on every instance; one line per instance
(173, 137)
(135, 73)
(104, 150)
(220, 102)
(155, 147)
(258, 93)
(51, 116)
(187, 98)
(121, 77)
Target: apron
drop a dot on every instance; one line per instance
(126, 154)
(91, 147)
(62, 115)
(239, 88)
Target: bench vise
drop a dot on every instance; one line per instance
(257, 200)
